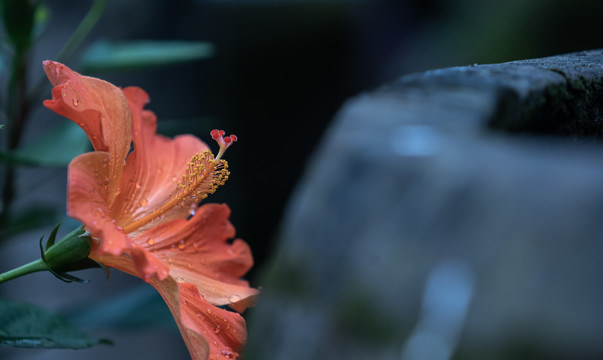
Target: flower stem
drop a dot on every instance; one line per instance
(18, 110)
(34, 266)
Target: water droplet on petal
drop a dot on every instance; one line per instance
(208, 310)
(75, 101)
(144, 202)
(217, 329)
(234, 298)
(193, 210)
(227, 354)
(150, 241)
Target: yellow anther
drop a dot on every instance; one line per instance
(203, 175)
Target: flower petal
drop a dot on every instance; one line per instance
(153, 169)
(98, 107)
(88, 201)
(148, 265)
(197, 251)
(209, 332)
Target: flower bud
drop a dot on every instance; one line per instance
(68, 254)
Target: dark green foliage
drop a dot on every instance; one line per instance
(110, 56)
(19, 18)
(27, 220)
(56, 148)
(26, 325)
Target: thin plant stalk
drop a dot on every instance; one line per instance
(20, 104)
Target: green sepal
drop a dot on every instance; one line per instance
(72, 249)
(70, 254)
(52, 237)
(59, 275)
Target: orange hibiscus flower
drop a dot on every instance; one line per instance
(140, 208)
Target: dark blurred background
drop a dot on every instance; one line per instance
(283, 68)
(279, 74)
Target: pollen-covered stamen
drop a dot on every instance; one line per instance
(202, 176)
(224, 142)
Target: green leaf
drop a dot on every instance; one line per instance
(105, 55)
(56, 148)
(26, 325)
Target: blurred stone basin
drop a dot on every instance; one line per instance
(455, 213)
